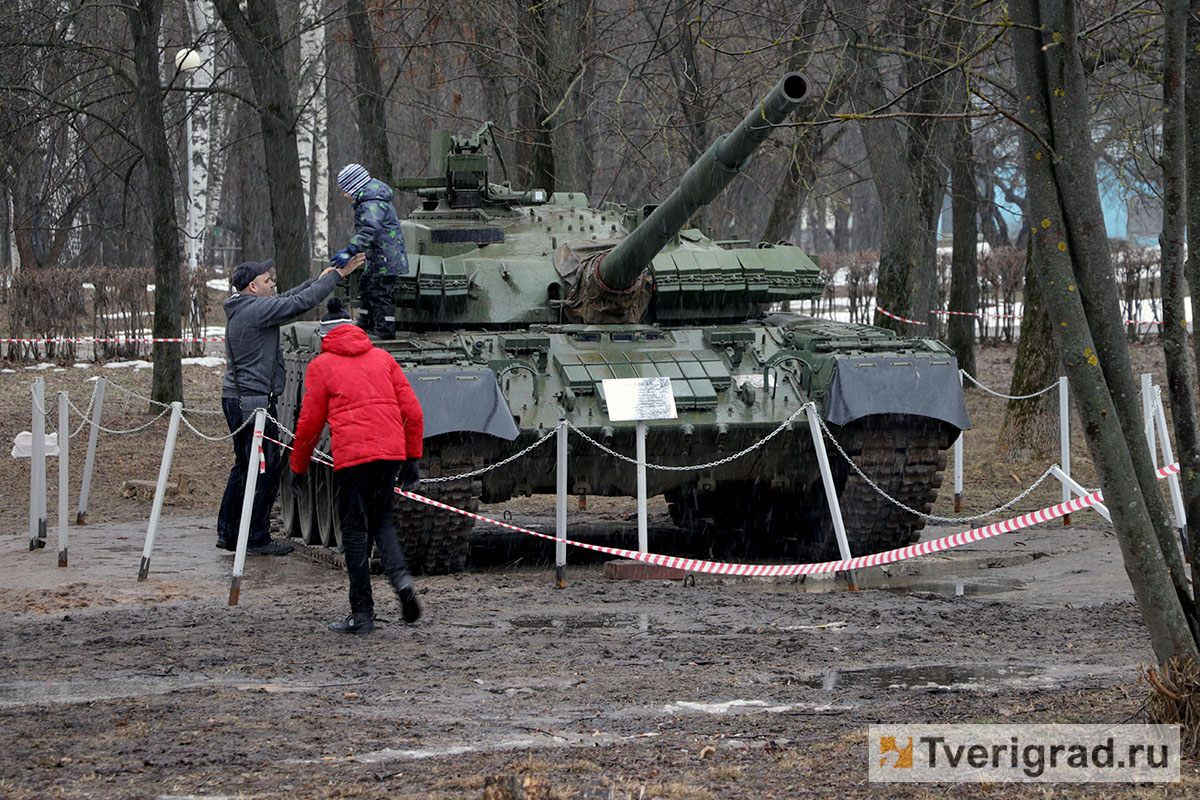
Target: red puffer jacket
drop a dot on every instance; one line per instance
(361, 391)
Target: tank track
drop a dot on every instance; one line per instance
(437, 541)
(903, 456)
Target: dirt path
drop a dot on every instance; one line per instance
(721, 688)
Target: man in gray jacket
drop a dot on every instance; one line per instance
(254, 377)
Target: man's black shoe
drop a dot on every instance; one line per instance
(409, 604)
(225, 544)
(271, 548)
(354, 623)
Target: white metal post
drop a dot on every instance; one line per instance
(1147, 416)
(643, 533)
(160, 489)
(90, 461)
(560, 509)
(958, 462)
(1160, 421)
(64, 463)
(1064, 436)
(835, 506)
(37, 468)
(1071, 486)
(239, 558)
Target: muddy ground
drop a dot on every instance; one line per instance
(717, 688)
(712, 688)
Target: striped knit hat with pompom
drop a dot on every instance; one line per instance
(352, 178)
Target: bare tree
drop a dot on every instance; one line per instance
(1180, 366)
(1081, 298)
(145, 19)
(906, 154)
(259, 40)
(369, 93)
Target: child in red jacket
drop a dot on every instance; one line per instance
(375, 424)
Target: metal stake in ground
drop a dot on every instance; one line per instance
(560, 510)
(835, 506)
(90, 461)
(64, 462)
(1064, 438)
(37, 468)
(239, 558)
(160, 489)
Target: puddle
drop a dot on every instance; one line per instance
(949, 677)
(15, 694)
(576, 621)
(898, 584)
(956, 588)
(546, 740)
(730, 707)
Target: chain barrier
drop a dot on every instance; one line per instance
(498, 464)
(324, 458)
(84, 415)
(319, 456)
(838, 446)
(693, 467)
(206, 437)
(994, 393)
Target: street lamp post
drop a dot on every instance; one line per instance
(188, 61)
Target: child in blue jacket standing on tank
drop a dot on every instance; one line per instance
(376, 233)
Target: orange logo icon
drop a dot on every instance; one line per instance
(887, 744)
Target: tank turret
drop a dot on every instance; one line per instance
(619, 269)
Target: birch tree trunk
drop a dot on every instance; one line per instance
(1180, 366)
(145, 19)
(199, 78)
(313, 125)
(1064, 205)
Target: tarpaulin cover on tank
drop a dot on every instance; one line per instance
(588, 300)
(866, 385)
(462, 400)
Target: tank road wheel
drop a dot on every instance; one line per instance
(289, 522)
(306, 508)
(434, 540)
(328, 522)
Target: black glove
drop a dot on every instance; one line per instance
(409, 477)
(295, 481)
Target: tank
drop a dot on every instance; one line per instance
(518, 306)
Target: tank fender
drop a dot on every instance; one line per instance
(870, 384)
(462, 400)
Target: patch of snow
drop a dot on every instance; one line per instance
(205, 361)
(123, 364)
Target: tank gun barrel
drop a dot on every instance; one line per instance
(701, 184)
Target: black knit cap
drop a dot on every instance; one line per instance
(334, 316)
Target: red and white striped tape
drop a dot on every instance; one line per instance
(116, 339)
(887, 313)
(785, 570)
